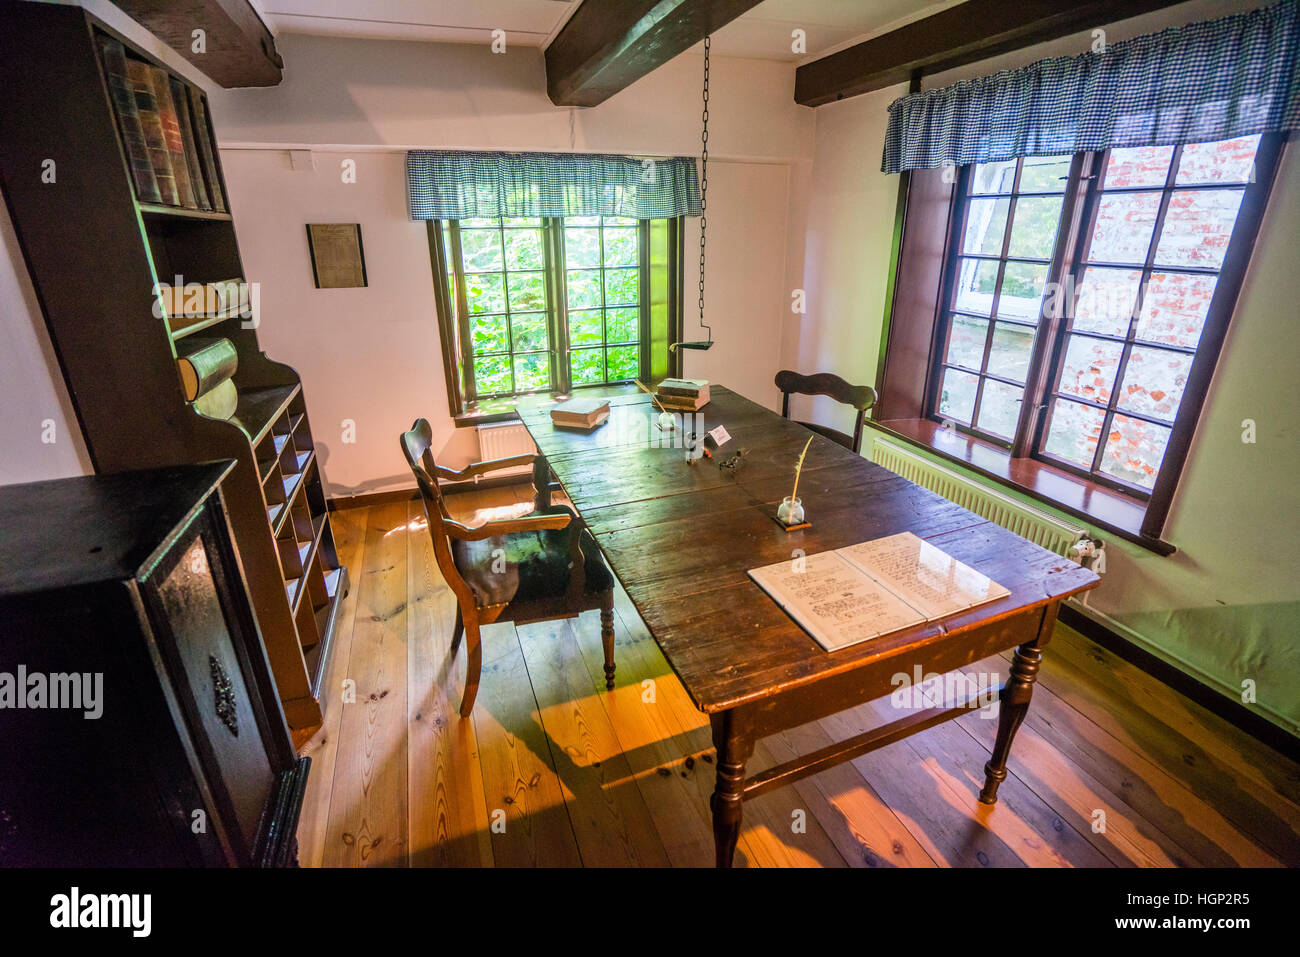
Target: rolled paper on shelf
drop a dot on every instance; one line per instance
(207, 364)
(220, 402)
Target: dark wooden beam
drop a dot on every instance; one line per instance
(970, 31)
(609, 44)
(238, 48)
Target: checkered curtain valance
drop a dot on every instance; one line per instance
(1235, 76)
(453, 184)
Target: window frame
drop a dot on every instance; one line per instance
(929, 250)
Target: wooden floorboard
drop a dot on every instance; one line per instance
(552, 769)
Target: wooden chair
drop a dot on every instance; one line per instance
(860, 397)
(540, 567)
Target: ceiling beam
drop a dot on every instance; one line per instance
(606, 45)
(238, 49)
(970, 31)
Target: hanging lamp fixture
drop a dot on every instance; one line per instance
(702, 344)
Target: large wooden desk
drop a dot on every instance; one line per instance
(681, 538)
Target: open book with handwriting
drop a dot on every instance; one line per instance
(874, 588)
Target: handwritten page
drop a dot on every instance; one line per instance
(928, 579)
(833, 600)
(874, 588)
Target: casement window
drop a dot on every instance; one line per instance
(1080, 305)
(552, 305)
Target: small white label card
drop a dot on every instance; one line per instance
(720, 435)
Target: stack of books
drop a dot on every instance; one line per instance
(580, 413)
(683, 395)
(164, 126)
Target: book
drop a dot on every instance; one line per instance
(875, 588)
(220, 402)
(113, 55)
(682, 403)
(171, 126)
(181, 100)
(155, 140)
(687, 387)
(187, 304)
(207, 154)
(205, 365)
(580, 413)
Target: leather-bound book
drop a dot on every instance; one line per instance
(181, 100)
(206, 364)
(151, 124)
(207, 154)
(171, 126)
(128, 120)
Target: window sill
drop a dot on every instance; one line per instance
(1113, 511)
(503, 410)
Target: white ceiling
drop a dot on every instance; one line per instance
(765, 32)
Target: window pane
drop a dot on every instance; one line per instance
(1134, 450)
(622, 287)
(1174, 308)
(1010, 354)
(492, 375)
(489, 334)
(1072, 434)
(581, 247)
(624, 362)
(514, 221)
(480, 250)
(529, 331)
(620, 247)
(1106, 300)
(1022, 291)
(1033, 234)
(1089, 368)
(1122, 233)
(966, 343)
(999, 408)
(957, 400)
(618, 220)
(485, 292)
(986, 222)
(582, 220)
(524, 249)
(975, 281)
(1154, 380)
(993, 177)
(622, 325)
(532, 371)
(480, 223)
(527, 291)
(584, 289)
(1044, 174)
(1197, 227)
(1137, 166)
(584, 327)
(1226, 161)
(587, 366)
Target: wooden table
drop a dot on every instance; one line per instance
(681, 538)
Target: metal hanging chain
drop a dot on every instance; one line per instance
(704, 179)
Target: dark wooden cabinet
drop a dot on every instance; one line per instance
(139, 721)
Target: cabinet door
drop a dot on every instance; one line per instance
(193, 632)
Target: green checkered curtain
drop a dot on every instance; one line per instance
(451, 184)
(1209, 81)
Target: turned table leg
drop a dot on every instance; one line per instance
(1014, 705)
(734, 746)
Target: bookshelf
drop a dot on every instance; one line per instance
(96, 253)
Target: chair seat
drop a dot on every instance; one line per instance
(537, 565)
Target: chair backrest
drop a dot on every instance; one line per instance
(416, 446)
(860, 397)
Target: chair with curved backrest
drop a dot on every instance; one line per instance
(860, 397)
(540, 567)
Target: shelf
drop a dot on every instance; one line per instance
(205, 323)
(259, 408)
(336, 584)
(292, 486)
(155, 209)
(307, 554)
(273, 514)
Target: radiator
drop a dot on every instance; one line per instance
(499, 440)
(1039, 527)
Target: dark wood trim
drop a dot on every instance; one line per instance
(239, 49)
(606, 45)
(1229, 709)
(970, 31)
(442, 304)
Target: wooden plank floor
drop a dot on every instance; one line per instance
(1111, 768)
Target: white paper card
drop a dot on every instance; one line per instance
(720, 435)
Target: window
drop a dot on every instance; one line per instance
(1081, 303)
(550, 305)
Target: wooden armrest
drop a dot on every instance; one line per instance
(530, 523)
(481, 468)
